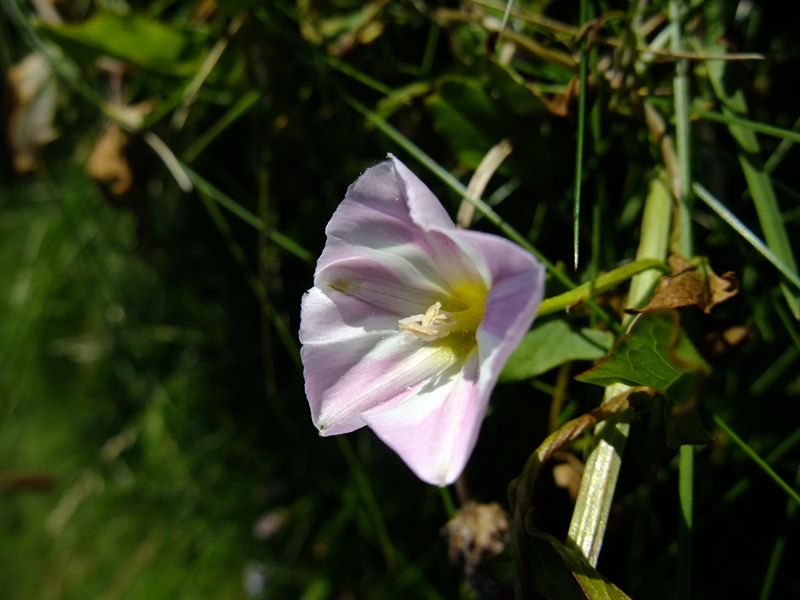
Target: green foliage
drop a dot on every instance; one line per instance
(141, 41)
(551, 344)
(655, 354)
(561, 573)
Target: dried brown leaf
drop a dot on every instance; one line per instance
(721, 341)
(690, 284)
(107, 163)
(30, 124)
(477, 531)
(568, 474)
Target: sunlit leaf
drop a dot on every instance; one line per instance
(134, 38)
(657, 354)
(551, 344)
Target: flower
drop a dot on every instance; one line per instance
(410, 321)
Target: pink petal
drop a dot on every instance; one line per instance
(345, 379)
(374, 216)
(516, 290)
(388, 284)
(331, 318)
(424, 208)
(435, 429)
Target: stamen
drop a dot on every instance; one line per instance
(433, 325)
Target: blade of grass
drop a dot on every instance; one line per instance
(731, 119)
(778, 452)
(255, 284)
(241, 107)
(580, 134)
(758, 181)
(776, 370)
(170, 161)
(780, 152)
(760, 462)
(208, 190)
(778, 548)
(207, 66)
(357, 75)
(791, 327)
(685, 523)
(742, 229)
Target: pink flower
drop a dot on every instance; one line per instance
(410, 321)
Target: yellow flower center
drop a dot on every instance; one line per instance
(454, 320)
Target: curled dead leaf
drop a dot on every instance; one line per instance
(731, 337)
(690, 284)
(30, 125)
(477, 531)
(568, 473)
(107, 163)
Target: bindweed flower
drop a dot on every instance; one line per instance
(410, 321)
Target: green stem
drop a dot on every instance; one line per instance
(602, 283)
(447, 501)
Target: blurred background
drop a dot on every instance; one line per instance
(167, 172)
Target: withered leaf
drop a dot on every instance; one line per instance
(107, 162)
(477, 531)
(568, 473)
(690, 284)
(30, 124)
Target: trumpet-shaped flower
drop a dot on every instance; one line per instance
(410, 321)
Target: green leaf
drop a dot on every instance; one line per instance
(134, 38)
(654, 354)
(658, 355)
(551, 344)
(560, 573)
